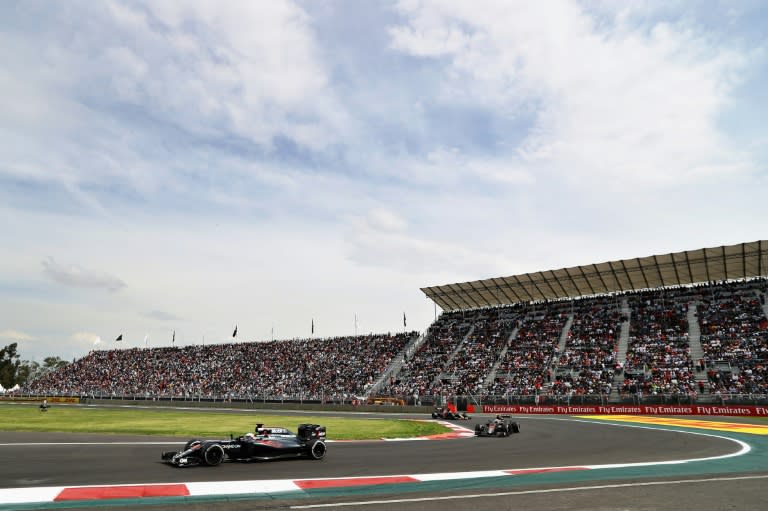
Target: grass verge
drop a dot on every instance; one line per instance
(197, 423)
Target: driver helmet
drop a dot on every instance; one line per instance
(249, 436)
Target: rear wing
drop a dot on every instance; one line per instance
(311, 432)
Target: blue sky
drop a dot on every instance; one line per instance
(190, 166)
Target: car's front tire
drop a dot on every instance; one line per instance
(213, 454)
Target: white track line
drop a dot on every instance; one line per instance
(530, 492)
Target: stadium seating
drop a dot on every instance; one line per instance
(561, 350)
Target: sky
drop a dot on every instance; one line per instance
(194, 166)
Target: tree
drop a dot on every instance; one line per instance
(31, 370)
(53, 363)
(9, 365)
(28, 371)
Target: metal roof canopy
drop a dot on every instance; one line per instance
(734, 262)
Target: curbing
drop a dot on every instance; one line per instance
(149, 493)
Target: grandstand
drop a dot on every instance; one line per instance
(675, 328)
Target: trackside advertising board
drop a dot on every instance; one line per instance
(20, 399)
(746, 411)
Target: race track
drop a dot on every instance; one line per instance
(29, 460)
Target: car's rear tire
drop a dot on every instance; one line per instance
(317, 450)
(213, 454)
(515, 427)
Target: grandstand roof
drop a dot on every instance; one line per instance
(733, 262)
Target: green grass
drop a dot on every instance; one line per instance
(193, 423)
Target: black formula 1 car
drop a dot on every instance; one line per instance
(445, 413)
(500, 426)
(267, 443)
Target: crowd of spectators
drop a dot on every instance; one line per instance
(751, 379)
(468, 370)
(734, 337)
(527, 365)
(673, 382)
(734, 328)
(658, 334)
(588, 362)
(462, 350)
(308, 369)
(420, 370)
(658, 359)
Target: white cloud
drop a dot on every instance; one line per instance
(382, 239)
(633, 105)
(251, 69)
(86, 339)
(10, 336)
(161, 315)
(385, 220)
(241, 71)
(73, 275)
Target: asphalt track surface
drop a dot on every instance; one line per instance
(46, 459)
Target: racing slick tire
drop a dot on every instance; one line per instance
(434, 415)
(317, 450)
(213, 454)
(515, 427)
(478, 429)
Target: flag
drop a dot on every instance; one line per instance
(234, 334)
(173, 341)
(119, 337)
(404, 323)
(313, 325)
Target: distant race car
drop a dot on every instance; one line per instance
(500, 426)
(267, 443)
(445, 413)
